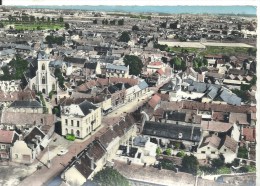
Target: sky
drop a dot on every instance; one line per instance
(130, 2)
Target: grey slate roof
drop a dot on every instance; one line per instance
(74, 60)
(230, 98)
(7, 52)
(213, 91)
(86, 107)
(26, 104)
(90, 65)
(29, 139)
(172, 131)
(116, 67)
(142, 85)
(175, 116)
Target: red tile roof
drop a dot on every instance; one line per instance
(230, 143)
(6, 136)
(154, 101)
(164, 97)
(157, 63)
(215, 126)
(249, 134)
(160, 71)
(241, 118)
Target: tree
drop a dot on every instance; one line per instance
(180, 154)
(32, 18)
(95, 21)
(190, 164)
(67, 26)
(219, 162)
(110, 176)
(53, 20)
(54, 40)
(242, 152)
(121, 22)
(48, 19)
(58, 74)
(124, 37)
(135, 28)
(177, 63)
(158, 151)
(168, 151)
(61, 19)
(199, 62)
(1, 25)
(163, 25)
(135, 64)
(15, 69)
(42, 18)
(242, 94)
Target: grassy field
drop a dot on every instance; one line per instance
(225, 50)
(35, 26)
(179, 49)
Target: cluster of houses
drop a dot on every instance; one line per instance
(194, 111)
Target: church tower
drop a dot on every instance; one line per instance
(45, 82)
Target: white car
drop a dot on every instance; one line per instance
(62, 152)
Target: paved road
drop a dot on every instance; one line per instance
(42, 176)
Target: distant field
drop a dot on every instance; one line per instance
(202, 44)
(215, 50)
(225, 50)
(209, 48)
(35, 26)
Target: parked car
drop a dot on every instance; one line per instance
(62, 152)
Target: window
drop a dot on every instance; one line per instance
(66, 130)
(77, 123)
(203, 152)
(72, 131)
(213, 152)
(72, 123)
(225, 150)
(43, 80)
(53, 86)
(208, 147)
(77, 133)
(33, 87)
(43, 66)
(2, 146)
(66, 121)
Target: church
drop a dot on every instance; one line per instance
(43, 79)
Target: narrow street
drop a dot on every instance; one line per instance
(44, 175)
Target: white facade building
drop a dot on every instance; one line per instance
(44, 81)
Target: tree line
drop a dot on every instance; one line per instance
(33, 19)
(120, 22)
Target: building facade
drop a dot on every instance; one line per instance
(44, 81)
(80, 119)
